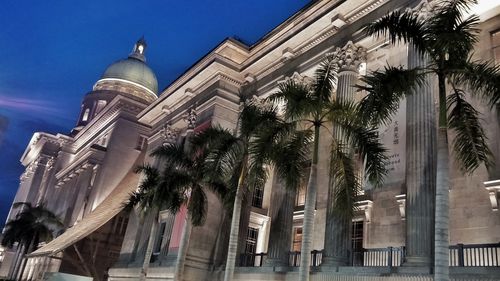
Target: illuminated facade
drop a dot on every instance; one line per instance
(392, 232)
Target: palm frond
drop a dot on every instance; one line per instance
(400, 26)
(470, 143)
(325, 79)
(453, 39)
(344, 180)
(385, 89)
(483, 78)
(297, 99)
(364, 140)
(174, 155)
(257, 172)
(197, 205)
(290, 156)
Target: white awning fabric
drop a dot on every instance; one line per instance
(103, 213)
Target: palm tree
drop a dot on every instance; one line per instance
(314, 106)
(445, 38)
(30, 227)
(263, 139)
(182, 181)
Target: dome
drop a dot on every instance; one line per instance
(132, 70)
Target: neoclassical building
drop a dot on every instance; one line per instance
(390, 237)
(78, 175)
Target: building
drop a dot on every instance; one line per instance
(392, 232)
(74, 174)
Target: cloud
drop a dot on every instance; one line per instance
(28, 105)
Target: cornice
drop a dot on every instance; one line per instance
(106, 117)
(84, 159)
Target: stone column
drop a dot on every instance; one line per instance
(280, 235)
(49, 164)
(169, 224)
(420, 170)
(337, 229)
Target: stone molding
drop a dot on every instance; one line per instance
(493, 188)
(401, 199)
(365, 207)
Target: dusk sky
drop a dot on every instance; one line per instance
(52, 52)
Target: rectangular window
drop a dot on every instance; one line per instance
(248, 259)
(251, 241)
(357, 243)
(297, 239)
(495, 42)
(142, 142)
(258, 195)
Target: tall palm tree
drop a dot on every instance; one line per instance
(34, 224)
(445, 38)
(182, 181)
(314, 105)
(262, 139)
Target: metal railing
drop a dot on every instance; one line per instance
(461, 255)
(475, 255)
(252, 260)
(316, 258)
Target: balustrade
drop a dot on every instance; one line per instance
(472, 255)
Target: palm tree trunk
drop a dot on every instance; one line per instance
(183, 248)
(149, 249)
(441, 243)
(310, 205)
(235, 225)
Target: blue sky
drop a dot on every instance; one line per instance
(52, 52)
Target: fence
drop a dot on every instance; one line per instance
(475, 255)
(472, 255)
(250, 259)
(316, 258)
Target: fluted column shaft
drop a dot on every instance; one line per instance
(337, 229)
(169, 224)
(420, 170)
(280, 235)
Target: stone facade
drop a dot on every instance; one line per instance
(395, 215)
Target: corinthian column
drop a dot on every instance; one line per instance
(337, 229)
(420, 170)
(280, 236)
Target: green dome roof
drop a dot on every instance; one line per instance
(134, 70)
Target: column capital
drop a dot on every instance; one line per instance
(349, 57)
(169, 134)
(423, 9)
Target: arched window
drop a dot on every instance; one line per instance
(86, 115)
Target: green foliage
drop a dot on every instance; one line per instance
(183, 180)
(463, 118)
(31, 225)
(446, 38)
(313, 104)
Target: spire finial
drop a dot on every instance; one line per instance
(139, 49)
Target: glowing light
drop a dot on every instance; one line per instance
(140, 48)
